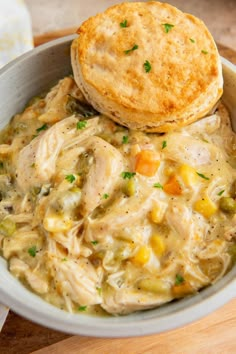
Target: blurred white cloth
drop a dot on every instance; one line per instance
(15, 30)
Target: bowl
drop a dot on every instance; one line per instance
(28, 76)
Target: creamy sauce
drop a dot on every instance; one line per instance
(96, 218)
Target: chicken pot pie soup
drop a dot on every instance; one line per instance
(97, 218)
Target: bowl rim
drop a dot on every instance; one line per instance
(185, 311)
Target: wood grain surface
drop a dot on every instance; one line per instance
(214, 334)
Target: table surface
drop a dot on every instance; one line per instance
(212, 334)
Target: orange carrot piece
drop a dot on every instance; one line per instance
(147, 163)
(172, 186)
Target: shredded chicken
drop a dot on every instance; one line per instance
(95, 217)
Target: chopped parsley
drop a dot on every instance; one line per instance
(32, 251)
(147, 66)
(105, 196)
(70, 178)
(33, 165)
(168, 27)
(81, 124)
(202, 176)
(204, 52)
(221, 192)
(128, 175)
(64, 259)
(164, 144)
(178, 279)
(82, 308)
(125, 139)
(157, 185)
(124, 24)
(192, 40)
(43, 127)
(94, 242)
(135, 46)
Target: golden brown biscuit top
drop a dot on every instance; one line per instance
(149, 57)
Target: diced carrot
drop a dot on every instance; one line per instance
(147, 163)
(172, 186)
(182, 290)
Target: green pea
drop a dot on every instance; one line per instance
(228, 205)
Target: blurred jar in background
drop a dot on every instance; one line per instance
(15, 30)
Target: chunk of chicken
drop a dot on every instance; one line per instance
(103, 175)
(124, 212)
(78, 280)
(21, 241)
(189, 150)
(56, 101)
(21, 269)
(125, 300)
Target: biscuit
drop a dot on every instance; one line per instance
(147, 66)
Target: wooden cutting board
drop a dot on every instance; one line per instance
(214, 334)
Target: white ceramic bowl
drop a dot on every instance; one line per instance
(19, 81)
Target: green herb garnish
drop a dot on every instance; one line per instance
(33, 165)
(221, 192)
(147, 66)
(32, 251)
(164, 144)
(202, 176)
(81, 124)
(157, 185)
(192, 40)
(43, 127)
(178, 279)
(204, 52)
(135, 46)
(64, 259)
(128, 175)
(82, 308)
(70, 178)
(105, 196)
(124, 24)
(168, 27)
(125, 139)
(94, 242)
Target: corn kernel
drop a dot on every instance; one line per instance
(168, 171)
(142, 256)
(54, 223)
(188, 174)
(157, 214)
(158, 245)
(205, 207)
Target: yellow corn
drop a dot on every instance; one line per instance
(205, 206)
(168, 171)
(142, 256)
(157, 214)
(158, 245)
(55, 223)
(188, 174)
